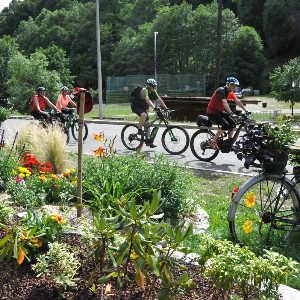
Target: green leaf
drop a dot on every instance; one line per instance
(3, 253)
(96, 221)
(123, 212)
(102, 224)
(155, 202)
(123, 246)
(187, 232)
(112, 258)
(162, 294)
(138, 249)
(104, 278)
(183, 278)
(32, 231)
(4, 240)
(178, 236)
(168, 275)
(154, 265)
(119, 281)
(133, 212)
(143, 211)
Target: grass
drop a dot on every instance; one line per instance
(212, 192)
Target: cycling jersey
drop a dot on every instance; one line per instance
(216, 104)
(42, 103)
(64, 102)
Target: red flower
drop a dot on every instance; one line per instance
(236, 190)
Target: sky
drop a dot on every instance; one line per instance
(4, 3)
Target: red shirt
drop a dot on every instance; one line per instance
(41, 100)
(216, 104)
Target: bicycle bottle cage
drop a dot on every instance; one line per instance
(204, 121)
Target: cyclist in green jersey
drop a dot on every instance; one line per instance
(141, 106)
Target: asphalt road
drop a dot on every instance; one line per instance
(224, 162)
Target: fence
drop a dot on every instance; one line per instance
(119, 88)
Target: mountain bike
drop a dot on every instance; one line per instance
(266, 208)
(200, 139)
(72, 123)
(175, 139)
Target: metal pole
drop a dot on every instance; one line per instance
(155, 64)
(99, 63)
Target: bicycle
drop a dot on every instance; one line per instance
(175, 139)
(72, 123)
(266, 208)
(200, 139)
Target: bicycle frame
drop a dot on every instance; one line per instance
(155, 128)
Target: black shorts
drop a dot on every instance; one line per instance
(139, 110)
(40, 116)
(223, 119)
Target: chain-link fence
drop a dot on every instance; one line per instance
(119, 88)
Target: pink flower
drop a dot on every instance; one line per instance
(18, 179)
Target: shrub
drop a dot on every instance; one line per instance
(135, 173)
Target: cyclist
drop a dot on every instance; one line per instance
(38, 104)
(141, 106)
(62, 103)
(219, 112)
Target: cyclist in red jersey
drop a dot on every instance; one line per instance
(38, 104)
(218, 109)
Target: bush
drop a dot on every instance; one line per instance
(126, 174)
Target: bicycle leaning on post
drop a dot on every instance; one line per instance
(175, 139)
(72, 123)
(200, 139)
(266, 208)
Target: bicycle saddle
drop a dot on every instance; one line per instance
(203, 121)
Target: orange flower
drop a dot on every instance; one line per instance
(99, 137)
(99, 151)
(21, 256)
(39, 242)
(60, 220)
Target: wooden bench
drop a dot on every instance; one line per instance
(188, 108)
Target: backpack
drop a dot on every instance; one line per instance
(135, 94)
(89, 102)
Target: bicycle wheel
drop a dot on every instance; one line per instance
(200, 147)
(175, 140)
(75, 130)
(264, 210)
(130, 139)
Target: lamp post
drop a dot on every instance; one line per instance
(155, 64)
(99, 63)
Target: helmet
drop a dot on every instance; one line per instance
(232, 81)
(41, 88)
(151, 81)
(64, 88)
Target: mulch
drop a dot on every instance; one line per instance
(19, 282)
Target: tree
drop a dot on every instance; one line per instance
(285, 82)
(8, 48)
(27, 74)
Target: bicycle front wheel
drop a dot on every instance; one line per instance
(130, 139)
(75, 130)
(200, 147)
(175, 140)
(264, 210)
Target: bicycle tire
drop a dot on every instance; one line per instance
(130, 139)
(75, 130)
(175, 139)
(269, 221)
(199, 146)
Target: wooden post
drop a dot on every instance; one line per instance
(80, 152)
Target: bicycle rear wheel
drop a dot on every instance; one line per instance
(175, 140)
(130, 139)
(200, 147)
(75, 130)
(264, 210)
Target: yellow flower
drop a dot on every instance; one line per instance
(248, 226)
(42, 177)
(21, 175)
(14, 172)
(53, 175)
(60, 220)
(250, 200)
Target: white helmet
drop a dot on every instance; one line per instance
(232, 81)
(151, 81)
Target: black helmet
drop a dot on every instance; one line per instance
(64, 88)
(41, 88)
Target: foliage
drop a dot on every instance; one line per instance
(285, 81)
(5, 213)
(141, 231)
(9, 158)
(106, 179)
(229, 264)
(4, 114)
(58, 264)
(31, 236)
(263, 141)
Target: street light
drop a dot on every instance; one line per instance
(155, 64)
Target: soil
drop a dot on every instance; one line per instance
(19, 282)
